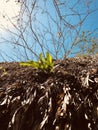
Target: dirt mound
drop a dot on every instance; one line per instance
(65, 99)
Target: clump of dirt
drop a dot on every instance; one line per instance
(65, 99)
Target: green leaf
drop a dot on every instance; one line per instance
(35, 64)
(41, 58)
(49, 58)
(25, 64)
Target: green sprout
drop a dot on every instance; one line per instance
(4, 71)
(44, 63)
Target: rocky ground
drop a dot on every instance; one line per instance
(65, 99)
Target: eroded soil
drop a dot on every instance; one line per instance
(65, 99)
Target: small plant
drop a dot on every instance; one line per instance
(4, 71)
(44, 63)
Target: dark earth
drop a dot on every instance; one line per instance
(65, 99)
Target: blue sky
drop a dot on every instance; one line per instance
(90, 24)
